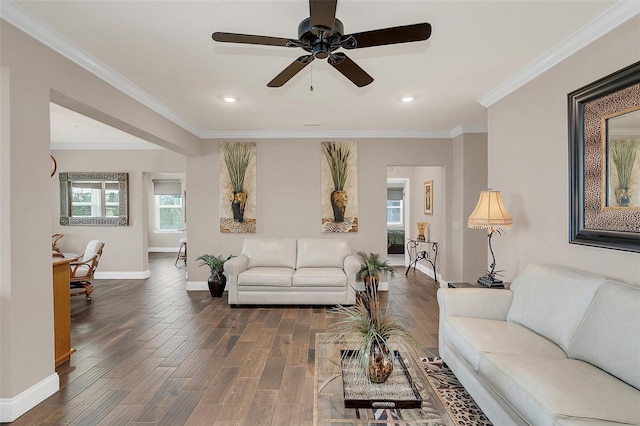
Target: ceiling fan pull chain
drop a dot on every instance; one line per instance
(311, 86)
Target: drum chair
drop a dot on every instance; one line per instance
(83, 267)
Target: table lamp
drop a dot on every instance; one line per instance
(491, 215)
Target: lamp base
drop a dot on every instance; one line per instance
(488, 281)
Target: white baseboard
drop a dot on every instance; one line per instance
(197, 286)
(427, 271)
(203, 286)
(163, 250)
(122, 275)
(12, 408)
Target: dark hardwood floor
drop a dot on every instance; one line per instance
(150, 353)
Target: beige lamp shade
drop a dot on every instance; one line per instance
(490, 213)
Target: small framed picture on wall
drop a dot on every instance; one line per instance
(428, 197)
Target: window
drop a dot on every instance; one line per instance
(394, 212)
(168, 205)
(168, 212)
(95, 199)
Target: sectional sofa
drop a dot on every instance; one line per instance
(288, 271)
(561, 347)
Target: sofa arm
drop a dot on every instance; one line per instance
(232, 268)
(487, 303)
(351, 268)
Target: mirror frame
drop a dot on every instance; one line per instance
(590, 221)
(65, 200)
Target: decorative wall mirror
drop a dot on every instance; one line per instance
(94, 198)
(604, 160)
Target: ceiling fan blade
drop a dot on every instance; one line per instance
(322, 13)
(350, 69)
(290, 71)
(252, 39)
(381, 37)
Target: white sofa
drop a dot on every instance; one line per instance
(561, 347)
(288, 271)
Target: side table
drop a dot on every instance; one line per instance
(505, 286)
(416, 255)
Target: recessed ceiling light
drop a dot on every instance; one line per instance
(229, 99)
(407, 99)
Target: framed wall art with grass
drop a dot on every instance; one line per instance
(339, 178)
(238, 187)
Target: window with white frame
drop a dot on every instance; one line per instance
(168, 205)
(394, 212)
(395, 204)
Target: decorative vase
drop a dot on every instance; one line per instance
(339, 205)
(622, 196)
(421, 228)
(238, 202)
(380, 362)
(217, 283)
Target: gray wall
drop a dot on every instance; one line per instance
(125, 251)
(288, 204)
(32, 77)
(528, 162)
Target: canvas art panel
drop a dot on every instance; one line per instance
(339, 180)
(238, 187)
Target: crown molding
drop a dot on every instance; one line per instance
(462, 129)
(324, 134)
(71, 146)
(611, 18)
(26, 22)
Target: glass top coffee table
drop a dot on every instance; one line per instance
(329, 407)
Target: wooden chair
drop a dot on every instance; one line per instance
(55, 251)
(182, 255)
(83, 267)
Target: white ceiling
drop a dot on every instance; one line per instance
(162, 53)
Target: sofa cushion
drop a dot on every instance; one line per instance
(260, 276)
(278, 252)
(472, 337)
(319, 277)
(609, 336)
(552, 300)
(320, 253)
(544, 389)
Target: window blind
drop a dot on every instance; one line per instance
(167, 187)
(395, 194)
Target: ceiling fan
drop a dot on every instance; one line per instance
(321, 34)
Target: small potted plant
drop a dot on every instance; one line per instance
(217, 281)
(371, 267)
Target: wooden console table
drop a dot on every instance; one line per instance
(61, 311)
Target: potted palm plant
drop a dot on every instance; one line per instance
(371, 267)
(217, 281)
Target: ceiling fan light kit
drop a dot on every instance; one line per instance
(322, 34)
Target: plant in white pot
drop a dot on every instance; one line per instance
(217, 281)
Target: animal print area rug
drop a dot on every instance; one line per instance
(462, 409)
